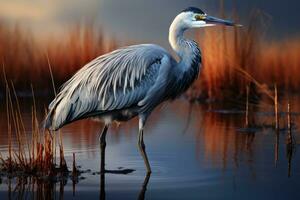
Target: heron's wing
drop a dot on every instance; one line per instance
(113, 81)
(161, 89)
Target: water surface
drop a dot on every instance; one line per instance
(197, 151)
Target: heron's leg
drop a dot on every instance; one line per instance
(144, 188)
(142, 146)
(102, 148)
(102, 186)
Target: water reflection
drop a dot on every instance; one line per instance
(102, 186)
(290, 150)
(104, 171)
(22, 187)
(276, 151)
(34, 188)
(144, 187)
(141, 194)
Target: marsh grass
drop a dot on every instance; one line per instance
(34, 154)
(230, 57)
(26, 55)
(235, 57)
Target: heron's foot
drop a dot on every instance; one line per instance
(102, 171)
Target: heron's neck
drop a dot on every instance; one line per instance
(187, 50)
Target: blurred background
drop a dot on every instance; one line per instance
(67, 34)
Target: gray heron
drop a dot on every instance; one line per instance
(132, 81)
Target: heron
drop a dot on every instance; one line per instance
(131, 81)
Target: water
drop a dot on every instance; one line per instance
(196, 152)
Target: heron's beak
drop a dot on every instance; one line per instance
(216, 21)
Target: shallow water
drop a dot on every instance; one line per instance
(196, 151)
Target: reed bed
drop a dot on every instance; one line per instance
(24, 54)
(235, 57)
(35, 152)
(226, 52)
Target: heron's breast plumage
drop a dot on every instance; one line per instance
(187, 70)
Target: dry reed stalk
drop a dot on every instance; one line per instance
(247, 106)
(8, 130)
(289, 136)
(276, 124)
(32, 135)
(51, 74)
(276, 151)
(13, 115)
(35, 135)
(289, 141)
(21, 128)
(276, 108)
(40, 151)
(74, 170)
(252, 79)
(62, 163)
(48, 156)
(54, 90)
(8, 118)
(19, 138)
(40, 157)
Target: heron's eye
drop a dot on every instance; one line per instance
(200, 17)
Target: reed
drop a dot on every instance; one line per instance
(247, 107)
(276, 108)
(289, 140)
(34, 188)
(290, 143)
(75, 170)
(230, 53)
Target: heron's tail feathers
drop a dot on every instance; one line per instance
(47, 123)
(65, 109)
(54, 118)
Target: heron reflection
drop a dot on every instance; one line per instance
(104, 171)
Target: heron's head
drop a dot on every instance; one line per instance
(195, 18)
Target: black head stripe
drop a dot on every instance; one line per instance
(194, 10)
